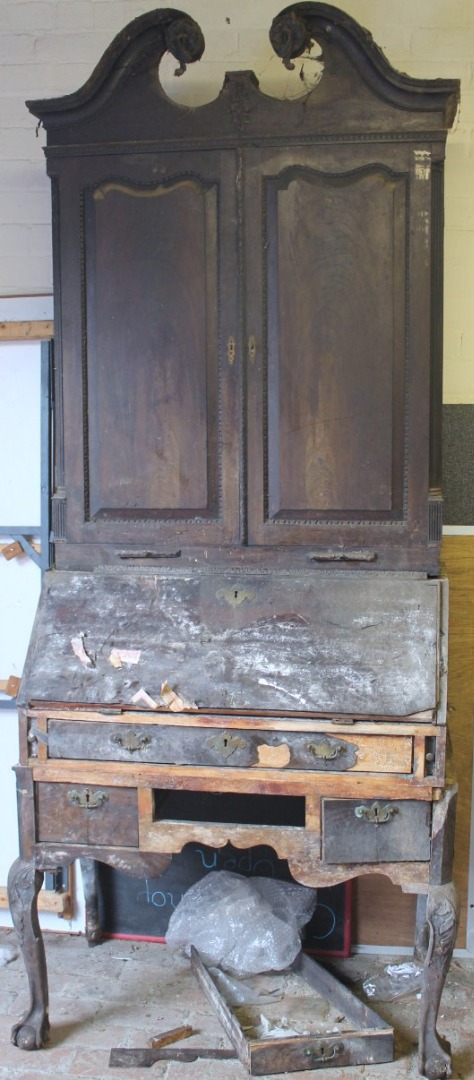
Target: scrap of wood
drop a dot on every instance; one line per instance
(118, 657)
(142, 698)
(59, 903)
(129, 1057)
(31, 330)
(173, 701)
(12, 550)
(171, 1036)
(10, 686)
(80, 650)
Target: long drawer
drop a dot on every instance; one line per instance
(234, 747)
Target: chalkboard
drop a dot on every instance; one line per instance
(141, 908)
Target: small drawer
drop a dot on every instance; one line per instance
(83, 814)
(162, 744)
(376, 830)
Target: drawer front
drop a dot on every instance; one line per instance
(81, 814)
(232, 747)
(376, 830)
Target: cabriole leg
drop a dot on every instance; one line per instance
(436, 943)
(24, 884)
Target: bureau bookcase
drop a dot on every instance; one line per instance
(246, 507)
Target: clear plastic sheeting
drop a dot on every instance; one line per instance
(396, 981)
(239, 993)
(242, 925)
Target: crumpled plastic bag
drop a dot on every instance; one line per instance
(396, 981)
(242, 925)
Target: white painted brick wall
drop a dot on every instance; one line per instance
(49, 47)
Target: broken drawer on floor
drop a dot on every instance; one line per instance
(364, 1040)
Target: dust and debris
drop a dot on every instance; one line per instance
(118, 657)
(173, 701)
(7, 954)
(281, 689)
(143, 698)
(80, 650)
(298, 1010)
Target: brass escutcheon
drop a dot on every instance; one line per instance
(235, 596)
(131, 741)
(87, 799)
(324, 749)
(225, 743)
(230, 350)
(376, 814)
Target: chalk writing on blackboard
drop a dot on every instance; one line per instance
(142, 907)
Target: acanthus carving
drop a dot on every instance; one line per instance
(240, 106)
(442, 916)
(24, 883)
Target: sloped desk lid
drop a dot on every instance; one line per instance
(278, 642)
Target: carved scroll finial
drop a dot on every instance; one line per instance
(185, 41)
(138, 48)
(290, 36)
(297, 26)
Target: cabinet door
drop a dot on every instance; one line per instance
(338, 368)
(150, 401)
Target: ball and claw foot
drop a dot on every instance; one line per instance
(32, 1031)
(437, 1064)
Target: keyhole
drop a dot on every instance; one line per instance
(236, 593)
(225, 740)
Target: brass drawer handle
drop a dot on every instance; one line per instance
(324, 1052)
(225, 744)
(131, 741)
(376, 814)
(324, 749)
(88, 800)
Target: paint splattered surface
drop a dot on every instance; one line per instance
(277, 642)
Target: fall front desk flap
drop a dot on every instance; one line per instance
(280, 642)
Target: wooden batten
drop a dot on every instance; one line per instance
(29, 330)
(60, 903)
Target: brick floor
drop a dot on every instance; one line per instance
(122, 992)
